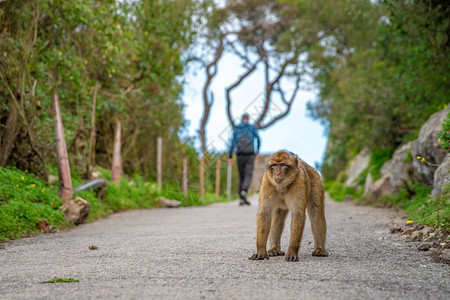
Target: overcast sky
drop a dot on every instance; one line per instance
(296, 132)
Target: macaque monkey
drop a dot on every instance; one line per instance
(289, 185)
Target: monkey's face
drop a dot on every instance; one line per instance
(282, 167)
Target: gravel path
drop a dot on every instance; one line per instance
(201, 252)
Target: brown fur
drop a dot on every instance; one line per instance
(289, 185)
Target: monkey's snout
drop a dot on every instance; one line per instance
(278, 180)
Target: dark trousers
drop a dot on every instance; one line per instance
(245, 167)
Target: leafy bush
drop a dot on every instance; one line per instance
(24, 201)
(338, 191)
(444, 135)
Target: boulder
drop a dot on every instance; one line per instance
(441, 177)
(368, 184)
(357, 166)
(381, 187)
(164, 202)
(428, 146)
(76, 210)
(399, 167)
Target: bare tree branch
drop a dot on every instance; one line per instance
(233, 86)
(208, 100)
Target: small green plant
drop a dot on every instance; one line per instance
(444, 135)
(61, 280)
(338, 191)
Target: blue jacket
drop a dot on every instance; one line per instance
(250, 130)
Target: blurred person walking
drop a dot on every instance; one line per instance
(245, 136)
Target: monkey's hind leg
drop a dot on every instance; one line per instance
(276, 229)
(316, 212)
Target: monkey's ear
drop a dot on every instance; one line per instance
(296, 161)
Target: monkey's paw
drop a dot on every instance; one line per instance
(258, 257)
(320, 252)
(275, 252)
(291, 257)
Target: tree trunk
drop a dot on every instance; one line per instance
(202, 176)
(218, 165)
(91, 161)
(159, 162)
(10, 133)
(66, 189)
(184, 180)
(117, 159)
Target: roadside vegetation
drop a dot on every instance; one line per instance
(25, 200)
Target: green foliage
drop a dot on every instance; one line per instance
(127, 55)
(380, 76)
(378, 157)
(338, 191)
(24, 201)
(444, 135)
(423, 208)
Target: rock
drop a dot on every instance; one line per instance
(76, 210)
(367, 184)
(93, 247)
(424, 247)
(52, 179)
(427, 230)
(95, 174)
(44, 226)
(408, 231)
(419, 226)
(164, 202)
(428, 146)
(441, 177)
(416, 236)
(395, 229)
(359, 164)
(381, 187)
(445, 255)
(399, 167)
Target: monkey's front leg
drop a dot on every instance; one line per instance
(297, 225)
(263, 220)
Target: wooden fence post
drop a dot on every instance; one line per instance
(218, 165)
(184, 180)
(202, 176)
(66, 188)
(159, 162)
(229, 182)
(117, 159)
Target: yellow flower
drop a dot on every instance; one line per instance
(26, 171)
(17, 185)
(33, 185)
(43, 189)
(409, 222)
(23, 178)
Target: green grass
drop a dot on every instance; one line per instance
(25, 200)
(61, 280)
(421, 207)
(338, 191)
